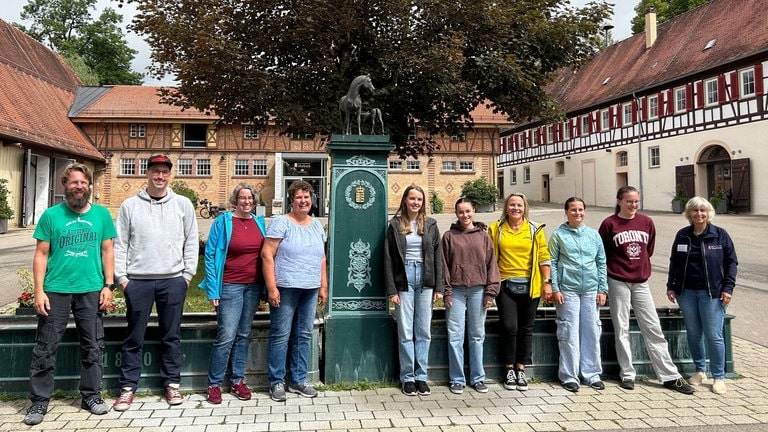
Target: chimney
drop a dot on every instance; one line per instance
(650, 27)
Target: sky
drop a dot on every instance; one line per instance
(623, 11)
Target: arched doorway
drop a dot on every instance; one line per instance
(726, 175)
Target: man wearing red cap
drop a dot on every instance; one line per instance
(156, 252)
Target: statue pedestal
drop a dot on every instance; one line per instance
(359, 332)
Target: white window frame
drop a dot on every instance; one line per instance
(605, 122)
(550, 134)
(127, 167)
(654, 157)
(653, 107)
(250, 132)
(203, 167)
(448, 166)
(710, 92)
(260, 168)
(138, 130)
(395, 165)
(622, 159)
(461, 136)
(526, 174)
(184, 167)
(747, 83)
(626, 114)
(680, 100)
(567, 130)
(513, 176)
(467, 166)
(241, 168)
(143, 165)
(584, 125)
(413, 165)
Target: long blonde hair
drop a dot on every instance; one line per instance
(402, 211)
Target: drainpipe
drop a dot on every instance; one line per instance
(639, 152)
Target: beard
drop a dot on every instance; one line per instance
(77, 203)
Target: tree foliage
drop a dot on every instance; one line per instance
(431, 61)
(665, 10)
(480, 191)
(93, 48)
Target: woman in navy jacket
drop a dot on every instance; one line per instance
(702, 274)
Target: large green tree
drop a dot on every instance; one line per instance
(96, 49)
(665, 10)
(432, 61)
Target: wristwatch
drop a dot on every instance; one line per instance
(111, 286)
(548, 281)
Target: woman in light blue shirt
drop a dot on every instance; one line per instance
(295, 275)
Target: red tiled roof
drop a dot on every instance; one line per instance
(136, 102)
(741, 30)
(37, 88)
(483, 115)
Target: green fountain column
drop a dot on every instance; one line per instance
(359, 332)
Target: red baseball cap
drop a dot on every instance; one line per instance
(159, 159)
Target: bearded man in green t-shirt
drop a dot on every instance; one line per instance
(73, 270)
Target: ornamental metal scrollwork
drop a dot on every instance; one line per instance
(359, 265)
(360, 200)
(356, 305)
(358, 160)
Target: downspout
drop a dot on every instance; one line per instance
(639, 151)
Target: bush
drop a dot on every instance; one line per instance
(6, 212)
(437, 203)
(480, 191)
(181, 188)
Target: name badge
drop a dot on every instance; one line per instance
(682, 248)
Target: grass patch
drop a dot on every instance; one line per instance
(357, 385)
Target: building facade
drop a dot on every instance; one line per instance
(128, 124)
(679, 110)
(37, 140)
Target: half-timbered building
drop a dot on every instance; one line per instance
(679, 109)
(129, 123)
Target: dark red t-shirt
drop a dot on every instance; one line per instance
(628, 246)
(243, 264)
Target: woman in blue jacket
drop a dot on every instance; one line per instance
(702, 274)
(579, 287)
(234, 284)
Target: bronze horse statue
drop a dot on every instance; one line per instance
(351, 105)
(374, 115)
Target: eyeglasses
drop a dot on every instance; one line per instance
(161, 172)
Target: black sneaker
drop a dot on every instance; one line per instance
(598, 385)
(423, 388)
(522, 381)
(627, 384)
(680, 385)
(409, 388)
(36, 413)
(571, 386)
(510, 383)
(480, 387)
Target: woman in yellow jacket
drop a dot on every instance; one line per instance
(523, 257)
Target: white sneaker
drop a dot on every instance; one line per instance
(718, 387)
(697, 378)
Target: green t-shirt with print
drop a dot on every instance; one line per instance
(74, 262)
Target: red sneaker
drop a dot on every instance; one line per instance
(173, 396)
(124, 401)
(241, 391)
(214, 394)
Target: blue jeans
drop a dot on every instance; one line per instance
(578, 336)
(50, 330)
(237, 305)
(467, 311)
(414, 321)
(703, 317)
(291, 329)
(168, 295)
